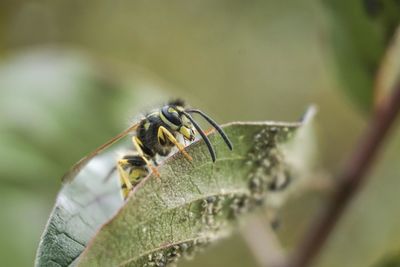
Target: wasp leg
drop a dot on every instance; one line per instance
(126, 183)
(136, 142)
(135, 169)
(163, 133)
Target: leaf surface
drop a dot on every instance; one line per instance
(360, 33)
(190, 205)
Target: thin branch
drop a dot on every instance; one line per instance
(349, 180)
(259, 237)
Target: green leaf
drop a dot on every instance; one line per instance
(81, 207)
(360, 33)
(191, 205)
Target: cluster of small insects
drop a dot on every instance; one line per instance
(156, 135)
(212, 205)
(171, 255)
(269, 174)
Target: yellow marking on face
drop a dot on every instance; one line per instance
(185, 132)
(186, 121)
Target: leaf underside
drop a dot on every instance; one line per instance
(189, 206)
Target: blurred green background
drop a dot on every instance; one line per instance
(75, 73)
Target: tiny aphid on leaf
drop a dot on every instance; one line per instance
(155, 135)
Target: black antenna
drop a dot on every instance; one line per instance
(203, 135)
(215, 125)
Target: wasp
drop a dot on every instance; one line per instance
(157, 134)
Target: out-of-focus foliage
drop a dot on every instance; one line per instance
(389, 261)
(210, 51)
(360, 32)
(371, 225)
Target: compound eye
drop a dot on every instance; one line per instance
(171, 115)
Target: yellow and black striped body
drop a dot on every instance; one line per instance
(156, 135)
(151, 143)
(149, 136)
(136, 168)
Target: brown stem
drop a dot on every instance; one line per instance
(350, 179)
